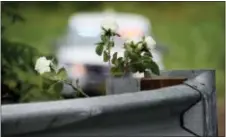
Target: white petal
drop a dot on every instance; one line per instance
(109, 23)
(42, 65)
(150, 42)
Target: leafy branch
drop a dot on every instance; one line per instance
(137, 55)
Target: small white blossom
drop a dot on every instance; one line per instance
(42, 65)
(109, 24)
(150, 42)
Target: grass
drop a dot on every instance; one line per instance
(193, 31)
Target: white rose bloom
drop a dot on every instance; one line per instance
(150, 42)
(109, 23)
(42, 65)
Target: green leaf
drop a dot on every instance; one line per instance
(133, 46)
(120, 63)
(146, 59)
(103, 37)
(114, 58)
(51, 76)
(154, 68)
(129, 48)
(103, 29)
(148, 54)
(116, 71)
(120, 60)
(140, 67)
(46, 83)
(111, 44)
(99, 49)
(116, 34)
(56, 88)
(11, 83)
(126, 54)
(145, 48)
(133, 56)
(106, 56)
(62, 74)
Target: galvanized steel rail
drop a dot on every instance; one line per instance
(188, 109)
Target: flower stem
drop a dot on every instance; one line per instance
(77, 89)
(109, 64)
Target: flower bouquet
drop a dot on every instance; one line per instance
(137, 58)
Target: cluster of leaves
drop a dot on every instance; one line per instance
(20, 82)
(18, 75)
(139, 58)
(54, 80)
(104, 48)
(106, 44)
(136, 58)
(16, 69)
(10, 14)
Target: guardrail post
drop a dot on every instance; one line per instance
(201, 118)
(205, 85)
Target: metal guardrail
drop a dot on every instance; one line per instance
(188, 109)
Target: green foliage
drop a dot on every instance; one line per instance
(46, 83)
(154, 67)
(106, 56)
(186, 28)
(133, 60)
(19, 79)
(116, 71)
(19, 76)
(51, 75)
(114, 59)
(105, 45)
(62, 74)
(17, 67)
(55, 89)
(99, 48)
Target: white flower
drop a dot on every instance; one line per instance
(109, 24)
(42, 65)
(150, 42)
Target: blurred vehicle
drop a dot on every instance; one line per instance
(76, 51)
